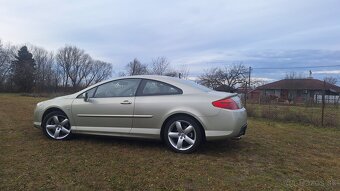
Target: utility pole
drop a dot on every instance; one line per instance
(249, 77)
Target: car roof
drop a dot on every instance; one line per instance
(180, 83)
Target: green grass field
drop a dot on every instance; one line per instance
(273, 155)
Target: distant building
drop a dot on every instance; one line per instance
(298, 90)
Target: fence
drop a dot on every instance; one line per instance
(320, 112)
(334, 99)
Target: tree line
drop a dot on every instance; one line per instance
(32, 68)
(238, 75)
(158, 66)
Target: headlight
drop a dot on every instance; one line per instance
(40, 104)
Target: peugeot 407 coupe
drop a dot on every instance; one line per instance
(179, 112)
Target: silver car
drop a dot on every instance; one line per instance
(179, 112)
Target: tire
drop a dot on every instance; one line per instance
(56, 126)
(182, 134)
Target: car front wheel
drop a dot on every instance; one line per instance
(56, 126)
(182, 134)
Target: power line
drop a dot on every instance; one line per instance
(296, 67)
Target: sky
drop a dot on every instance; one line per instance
(295, 36)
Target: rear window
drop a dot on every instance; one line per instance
(152, 87)
(196, 85)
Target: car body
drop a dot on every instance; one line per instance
(144, 107)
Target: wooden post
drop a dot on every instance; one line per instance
(245, 96)
(323, 103)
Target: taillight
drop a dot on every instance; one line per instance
(226, 103)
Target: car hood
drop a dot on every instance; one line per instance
(46, 102)
(71, 96)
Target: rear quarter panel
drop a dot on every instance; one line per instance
(162, 107)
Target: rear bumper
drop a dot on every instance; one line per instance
(220, 135)
(227, 124)
(242, 131)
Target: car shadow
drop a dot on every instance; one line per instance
(222, 147)
(211, 148)
(126, 141)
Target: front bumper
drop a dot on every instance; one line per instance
(37, 125)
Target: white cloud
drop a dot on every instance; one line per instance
(327, 72)
(264, 79)
(198, 33)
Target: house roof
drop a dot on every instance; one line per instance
(300, 84)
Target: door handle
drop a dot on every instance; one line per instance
(126, 102)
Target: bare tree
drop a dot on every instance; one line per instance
(75, 64)
(181, 72)
(45, 75)
(159, 66)
(294, 75)
(254, 83)
(184, 71)
(40, 70)
(212, 78)
(231, 76)
(236, 74)
(99, 71)
(7, 54)
(331, 80)
(135, 67)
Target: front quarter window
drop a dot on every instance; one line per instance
(89, 92)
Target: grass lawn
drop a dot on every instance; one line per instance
(302, 114)
(273, 155)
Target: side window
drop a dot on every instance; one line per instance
(152, 87)
(118, 88)
(90, 93)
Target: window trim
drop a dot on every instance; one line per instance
(96, 87)
(143, 83)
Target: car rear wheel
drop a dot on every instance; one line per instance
(56, 126)
(182, 134)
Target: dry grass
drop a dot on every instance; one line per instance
(300, 114)
(273, 155)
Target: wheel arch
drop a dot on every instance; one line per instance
(183, 114)
(52, 109)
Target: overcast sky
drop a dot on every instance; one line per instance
(199, 34)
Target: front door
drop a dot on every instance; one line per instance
(109, 108)
(284, 94)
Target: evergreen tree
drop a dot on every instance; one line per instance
(23, 68)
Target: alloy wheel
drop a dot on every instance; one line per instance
(58, 127)
(182, 135)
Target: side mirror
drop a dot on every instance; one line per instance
(86, 97)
